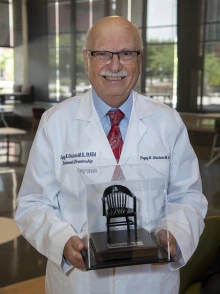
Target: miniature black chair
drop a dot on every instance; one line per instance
(115, 201)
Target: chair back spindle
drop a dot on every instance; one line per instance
(117, 201)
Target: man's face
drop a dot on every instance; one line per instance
(113, 80)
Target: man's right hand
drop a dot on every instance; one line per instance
(72, 252)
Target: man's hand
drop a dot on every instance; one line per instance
(72, 252)
(162, 240)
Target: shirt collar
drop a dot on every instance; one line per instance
(102, 108)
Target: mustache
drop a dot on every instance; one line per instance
(108, 73)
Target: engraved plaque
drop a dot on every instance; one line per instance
(125, 244)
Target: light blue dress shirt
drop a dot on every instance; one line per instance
(102, 109)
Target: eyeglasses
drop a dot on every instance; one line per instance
(108, 55)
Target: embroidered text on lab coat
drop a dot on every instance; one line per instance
(74, 158)
(154, 157)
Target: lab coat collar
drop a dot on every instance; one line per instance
(94, 130)
(136, 128)
(86, 106)
(142, 107)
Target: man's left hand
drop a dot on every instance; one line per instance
(163, 241)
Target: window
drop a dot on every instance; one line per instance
(161, 52)
(6, 44)
(209, 98)
(68, 22)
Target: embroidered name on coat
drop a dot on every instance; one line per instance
(80, 157)
(154, 157)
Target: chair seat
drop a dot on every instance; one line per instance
(194, 289)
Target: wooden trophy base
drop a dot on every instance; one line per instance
(123, 245)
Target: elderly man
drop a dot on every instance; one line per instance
(50, 214)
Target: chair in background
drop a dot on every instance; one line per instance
(215, 146)
(11, 135)
(27, 93)
(37, 113)
(22, 93)
(193, 272)
(208, 123)
(17, 88)
(115, 202)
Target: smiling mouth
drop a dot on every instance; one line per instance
(113, 78)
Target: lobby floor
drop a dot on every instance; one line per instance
(19, 260)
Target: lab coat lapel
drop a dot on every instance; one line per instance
(136, 128)
(94, 130)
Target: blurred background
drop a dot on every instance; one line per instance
(41, 43)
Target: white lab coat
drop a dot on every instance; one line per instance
(50, 209)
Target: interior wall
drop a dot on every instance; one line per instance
(38, 48)
(18, 43)
(4, 24)
(30, 45)
(189, 63)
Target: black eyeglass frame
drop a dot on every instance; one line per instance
(138, 52)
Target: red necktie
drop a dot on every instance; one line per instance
(114, 136)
